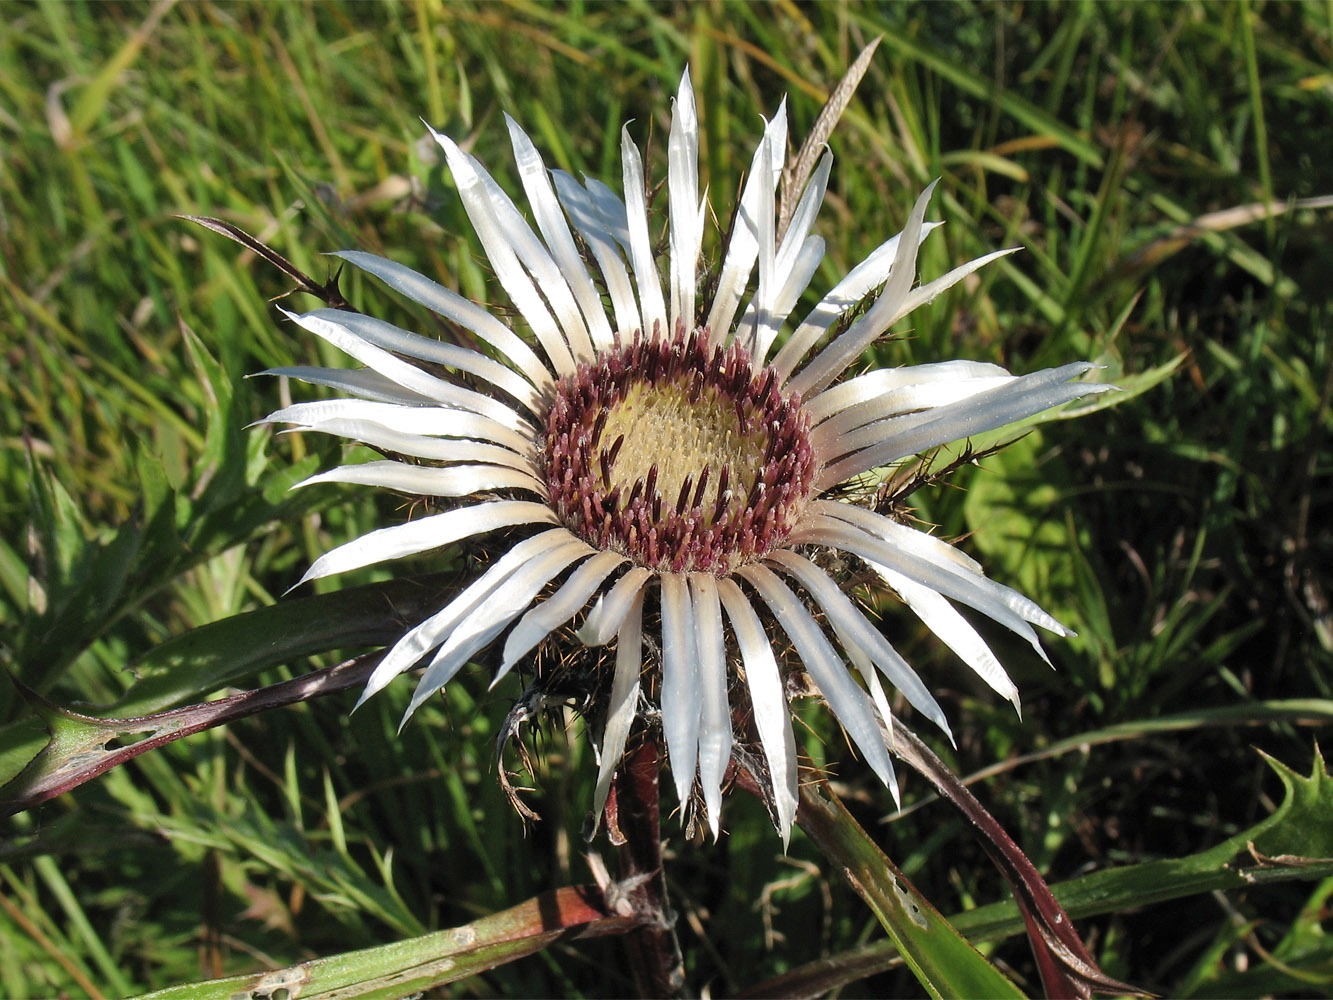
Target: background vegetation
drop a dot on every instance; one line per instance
(1185, 534)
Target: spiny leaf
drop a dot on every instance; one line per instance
(1279, 848)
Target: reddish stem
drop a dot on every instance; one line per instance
(654, 953)
(1067, 968)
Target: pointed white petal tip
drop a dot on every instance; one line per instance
(364, 697)
(407, 717)
(948, 733)
(306, 577)
(419, 698)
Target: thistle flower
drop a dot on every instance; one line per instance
(665, 463)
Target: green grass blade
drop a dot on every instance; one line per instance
(942, 960)
(407, 967)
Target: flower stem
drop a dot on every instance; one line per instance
(1067, 967)
(942, 961)
(654, 953)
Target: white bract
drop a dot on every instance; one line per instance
(664, 464)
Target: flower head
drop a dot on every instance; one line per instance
(664, 463)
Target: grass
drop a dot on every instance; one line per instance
(1182, 533)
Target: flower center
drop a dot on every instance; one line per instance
(679, 455)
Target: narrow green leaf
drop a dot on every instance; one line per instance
(975, 83)
(207, 658)
(80, 746)
(942, 960)
(99, 90)
(403, 968)
(201, 661)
